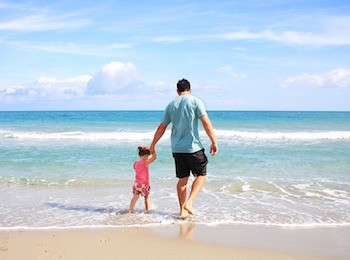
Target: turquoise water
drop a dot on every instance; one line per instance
(75, 169)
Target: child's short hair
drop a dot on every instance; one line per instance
(143, 150)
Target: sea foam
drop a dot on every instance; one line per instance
(148, 135)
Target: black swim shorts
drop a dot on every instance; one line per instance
(190, 162)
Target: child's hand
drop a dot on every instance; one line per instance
(151, 158)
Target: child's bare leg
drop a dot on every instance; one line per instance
(133, 202)
(181, 194)
(196, 188)
(147, 202)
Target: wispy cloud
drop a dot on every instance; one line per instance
(286, 37)
(317, 29)
(67, 47)
(335, 78)
(43, 22)
(228, 70)
(289, 37)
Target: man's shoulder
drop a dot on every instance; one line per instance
(180, 101)
(193, 99)
(197, 102)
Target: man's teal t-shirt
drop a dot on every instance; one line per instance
(184, 113)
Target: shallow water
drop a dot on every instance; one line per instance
(75, 169)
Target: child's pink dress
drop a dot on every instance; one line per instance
(141, 184)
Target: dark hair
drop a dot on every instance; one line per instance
(143, 151)
(183, 85)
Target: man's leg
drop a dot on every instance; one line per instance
(181, 194)
(196, 188)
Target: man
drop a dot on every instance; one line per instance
(184, 112)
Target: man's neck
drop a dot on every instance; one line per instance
(183, 93)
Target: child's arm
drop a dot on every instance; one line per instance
(151, 158)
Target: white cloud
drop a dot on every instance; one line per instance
(317, 29)
(289, 37)
(67, 47)
(328, 30)
(114, 78)
(285, 37)
(46, 88)
(228, 70)
(115, 81)
(335, 78)
(43, 22)
(70, 86)
(170, 39)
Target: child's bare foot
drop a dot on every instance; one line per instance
(188, 207)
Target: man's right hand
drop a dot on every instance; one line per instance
(214, 149)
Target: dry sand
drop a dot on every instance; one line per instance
(184, 241)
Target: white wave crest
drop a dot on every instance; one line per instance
(77, 135)
(132, 135)
(324, 135)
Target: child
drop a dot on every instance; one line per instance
(141, 184)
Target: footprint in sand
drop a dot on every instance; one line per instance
(3, 248)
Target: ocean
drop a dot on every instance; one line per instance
(74, 169)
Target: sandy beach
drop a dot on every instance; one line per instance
(180, 241)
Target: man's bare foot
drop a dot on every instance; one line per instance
(188, 207)
(183, 214)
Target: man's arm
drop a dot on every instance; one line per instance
(158, 134)
(208, 127)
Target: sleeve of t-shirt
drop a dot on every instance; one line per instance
(200, 111)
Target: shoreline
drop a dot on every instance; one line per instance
(198, 241)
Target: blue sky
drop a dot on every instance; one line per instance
(129, 55)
